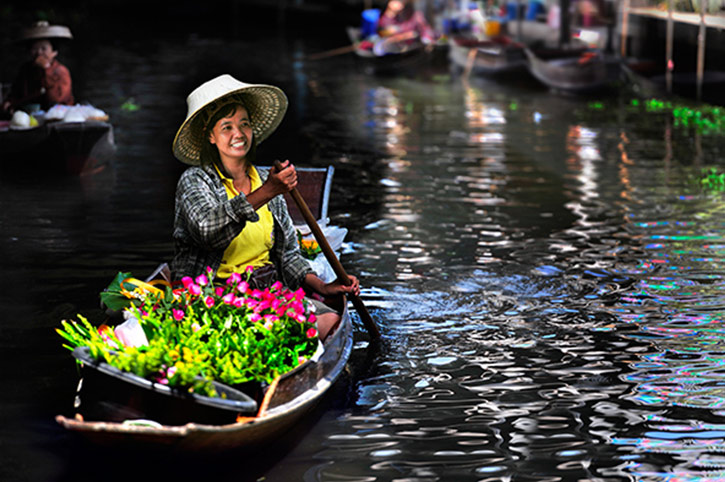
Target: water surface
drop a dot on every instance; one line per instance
(545, 272)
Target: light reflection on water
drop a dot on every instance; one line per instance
(547, 279)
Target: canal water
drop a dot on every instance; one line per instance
(546, 271)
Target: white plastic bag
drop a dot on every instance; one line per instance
(130, 332)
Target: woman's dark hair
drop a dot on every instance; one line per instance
(209, 153)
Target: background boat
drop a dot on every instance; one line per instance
(56, 148)
(573, 71)
(499, 55)
(390, 55)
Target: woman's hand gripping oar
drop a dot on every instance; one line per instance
(332, 259)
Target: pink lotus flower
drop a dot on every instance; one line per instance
(311, 333)
(209, 301)
(178, 314)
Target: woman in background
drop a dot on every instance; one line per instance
(42, 80)
(400, 17)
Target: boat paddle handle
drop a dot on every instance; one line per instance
(331, 257)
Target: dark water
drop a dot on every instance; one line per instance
(546, 273)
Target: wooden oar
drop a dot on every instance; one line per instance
(331, 53)
(332, 259)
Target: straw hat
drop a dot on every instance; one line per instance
(43, 30)
(265, 104)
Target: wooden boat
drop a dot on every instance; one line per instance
(56, 147)
(647, 78)
(499, 55)
(577, 71)
(390, 56)
(295, 395)
(284, 403)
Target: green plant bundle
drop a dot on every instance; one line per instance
(204, 332)
(712, 180)
(707, 119)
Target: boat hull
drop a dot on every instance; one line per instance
(574, 74)
(295, 395)
(53, 148)
(405, 57)
(488, 58)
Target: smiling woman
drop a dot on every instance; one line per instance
(230, 216)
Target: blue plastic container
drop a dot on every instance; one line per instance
(533, 10)
(369, 22)
(511, 9)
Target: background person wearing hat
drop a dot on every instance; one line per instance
(42, 80)
(229, 215)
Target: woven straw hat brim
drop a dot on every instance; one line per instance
(266, 106)
(42, 30)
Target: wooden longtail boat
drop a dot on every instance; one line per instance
(70, 148)
(284, 403)
(575, 71)
(497, 56)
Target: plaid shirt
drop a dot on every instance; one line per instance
(206, 221)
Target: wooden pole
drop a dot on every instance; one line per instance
(669, 48)
(332, 259)
(625, 29)
(701, 35)
(564, 27)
